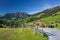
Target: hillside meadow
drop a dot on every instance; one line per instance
(54, 19)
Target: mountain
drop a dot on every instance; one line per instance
(39, 15)
(49, 16)
(15, 15)
(45, 13)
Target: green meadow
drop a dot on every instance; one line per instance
(55, 19)
(20, 34)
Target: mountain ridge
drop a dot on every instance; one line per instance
(46, 13)
(15, 15)
(20, 18)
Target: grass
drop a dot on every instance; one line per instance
(19, 34)
(53, 19)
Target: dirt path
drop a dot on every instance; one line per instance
(53, 34)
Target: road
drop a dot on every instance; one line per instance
(53, 34)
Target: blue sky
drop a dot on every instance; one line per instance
(29, 6)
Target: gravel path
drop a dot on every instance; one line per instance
(53, 34)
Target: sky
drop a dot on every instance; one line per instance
(29, 6)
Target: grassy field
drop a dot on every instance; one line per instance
(19, 34)
(53, 19)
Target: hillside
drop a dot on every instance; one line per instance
(54, 18)
(48, 16)
(45, 13)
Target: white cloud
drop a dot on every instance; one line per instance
(47, 5)
(35, 11)
(44, 7)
